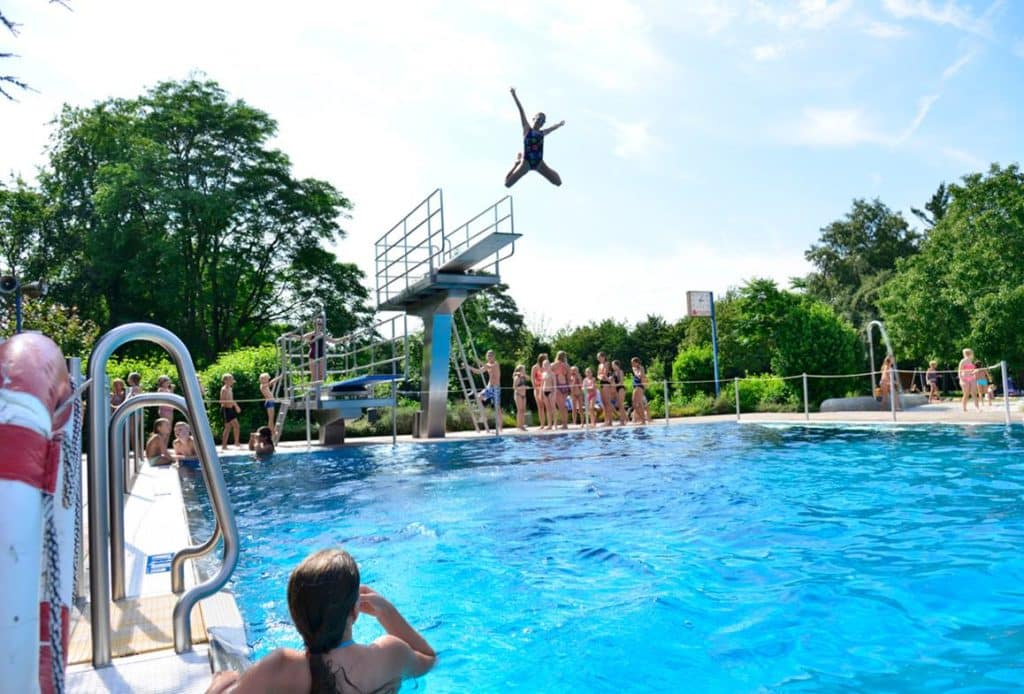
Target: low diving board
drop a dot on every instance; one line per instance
(479, 251)
(364, 382)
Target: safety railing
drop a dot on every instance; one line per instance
(497, 218)
(382, 348)
(105, 470)
(410, 249)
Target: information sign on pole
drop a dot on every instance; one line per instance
(700, 304)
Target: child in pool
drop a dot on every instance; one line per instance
(156, 446)
(325, 599)
(184, 444)
(261, 442)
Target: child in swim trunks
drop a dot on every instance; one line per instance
(931, 377)
(492, 391)
(267, 391)
(230, 410)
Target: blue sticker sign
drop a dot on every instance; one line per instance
(158, 563)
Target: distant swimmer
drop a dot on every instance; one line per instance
(532, 157)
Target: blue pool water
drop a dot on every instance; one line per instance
(694, 557)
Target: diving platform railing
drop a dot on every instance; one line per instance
(108, 475)
(410, 249)
(356, 367)
(424, 271)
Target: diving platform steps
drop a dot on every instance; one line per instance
(454, 274)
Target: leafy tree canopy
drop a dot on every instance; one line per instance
(855, 255)
(964, 288)
(171, 208)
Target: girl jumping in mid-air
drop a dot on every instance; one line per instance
(532, 157)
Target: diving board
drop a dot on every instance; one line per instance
(479, 251)
(363, 382)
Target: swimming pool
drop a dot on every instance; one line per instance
(702, 557)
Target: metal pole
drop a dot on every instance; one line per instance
(309, 429)
(17, 307)
(736, 387)
(1006, 390)
(714, 343)
(667, 404)
(807, 410)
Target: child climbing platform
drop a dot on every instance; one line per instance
(532, 157)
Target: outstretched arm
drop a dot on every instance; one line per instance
(522, 113)
(553, 128)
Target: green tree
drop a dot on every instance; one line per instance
(583, 343)
(964, 287)
(24, 223)
(935, 209)
(854, 257)
(172, 208)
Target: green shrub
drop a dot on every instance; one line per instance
(759, 393)
(694, 363)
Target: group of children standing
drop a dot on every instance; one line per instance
(160, 450)
(562, 393)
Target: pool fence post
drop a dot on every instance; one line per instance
(666, 403)
(736, 388)
(807, 411)
(309, 430)
(1006, 390)
(893, 375)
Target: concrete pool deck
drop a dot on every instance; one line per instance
(944, 412)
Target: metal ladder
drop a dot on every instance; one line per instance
(467, 379)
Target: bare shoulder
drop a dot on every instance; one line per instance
(284, 670)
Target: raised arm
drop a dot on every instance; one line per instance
(522, 113)
(409, 652)
(553, 128)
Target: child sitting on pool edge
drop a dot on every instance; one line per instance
(184, 444)
(325, 600)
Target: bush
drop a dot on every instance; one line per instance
(759, 393)
(694, 363)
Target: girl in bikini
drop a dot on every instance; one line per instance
(537, 376)
(576, 392)
(604, 380)
(532, 158)
(590, 391)
(519, 384)
(561, 371)
(618, 377)
(548, 391)
(968, 377)
(640, 415)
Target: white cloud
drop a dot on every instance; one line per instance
(885, 30)
(835, 127)
(847, 127)
(807, 14)
(958, 65)
(633, 139)
(923, 107)
(612, 48)
(950, 13)
(966, 158)
(767, 52)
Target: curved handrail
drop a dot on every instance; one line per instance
(118, 487)
(99, 498)
(871, 346)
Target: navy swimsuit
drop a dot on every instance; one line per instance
(533, 148)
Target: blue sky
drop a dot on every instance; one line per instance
(706, 142)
